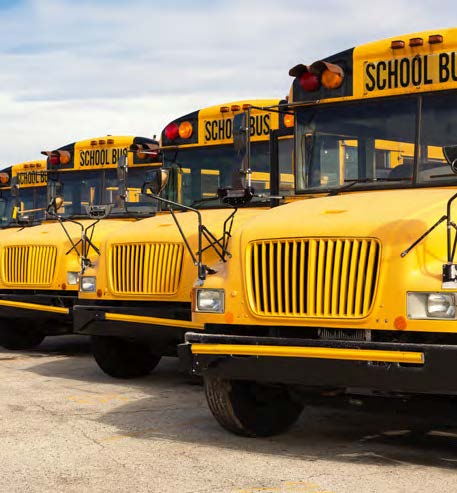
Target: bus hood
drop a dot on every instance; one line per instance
(395, 217)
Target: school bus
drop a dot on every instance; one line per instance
(87, 196)
(135, 303)
(356, 289)
(22, 188)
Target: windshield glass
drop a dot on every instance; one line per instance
(373, 144)
(201, 171)
(86, 188)
(31, 201)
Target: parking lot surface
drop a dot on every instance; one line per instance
(65, 426)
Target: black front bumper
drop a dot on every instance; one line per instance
(437, 374)
(95, 320)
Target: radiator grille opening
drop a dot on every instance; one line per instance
(145, 268)
(29, 265)
(328, 278)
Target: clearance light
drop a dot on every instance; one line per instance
(246, 106)
(309, 82)
(38, 165)
(26, 166)
(224, 109)
(172, 131)
(185, 130)
(397, 44)
(110, 141)
(235, 107)
(416, 42)
(102, 142)
(93, 142)
(4, 178)
(289, 120)
(435, 39)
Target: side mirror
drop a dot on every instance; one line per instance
(14, 186)
(450, 153)
(55, 196)
(155, 181)
(122, 170)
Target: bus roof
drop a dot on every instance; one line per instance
(417, 62)
(98, 152)
(213, 125)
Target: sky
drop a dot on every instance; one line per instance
(77, 69)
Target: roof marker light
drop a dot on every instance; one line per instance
(435, 39)
(416, 42)
(102, 142)
(235, 107)
(246, 106)
(93, 142)
(397, 44)
(224, 109)
(110, 141)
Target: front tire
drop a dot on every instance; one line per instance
(19, 337)
(251, 409)
(120, 358)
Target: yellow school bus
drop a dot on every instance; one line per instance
(135, 302)
(87, 196)
(356, 288)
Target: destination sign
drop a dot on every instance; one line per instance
(417, 71)
(222, 129)
(32, 178)
(90, 158)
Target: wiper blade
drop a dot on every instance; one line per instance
(203, 200)
(351, 183)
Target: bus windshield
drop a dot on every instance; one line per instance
(32, 203)
(201, 171)
(376, 143)
(86, 188)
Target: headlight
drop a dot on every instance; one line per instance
(210, 300)
(88, 284)
(72, 278)
(431, 305)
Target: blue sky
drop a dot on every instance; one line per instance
(77, 69)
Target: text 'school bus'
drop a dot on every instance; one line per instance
(88, 196)
(135, 302)
(357, 289)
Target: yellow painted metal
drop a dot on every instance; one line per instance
(312, 277)
(145, 268)
(310, 352)
(121, 317)
(33, 306)
(29, 264)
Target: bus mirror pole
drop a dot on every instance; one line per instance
(122, 170)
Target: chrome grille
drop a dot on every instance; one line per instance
(313, 277)
(145, 268)
(29, 265)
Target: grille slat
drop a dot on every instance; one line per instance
(32, 265)
(145, 268)
(313, 277)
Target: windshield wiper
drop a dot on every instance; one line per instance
(351, 183)
(203, 200)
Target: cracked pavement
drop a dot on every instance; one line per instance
(68, 427)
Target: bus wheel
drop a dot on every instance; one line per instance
(251, 409)
(19, 337)
(120, 358)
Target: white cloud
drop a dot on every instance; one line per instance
(74, 70)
